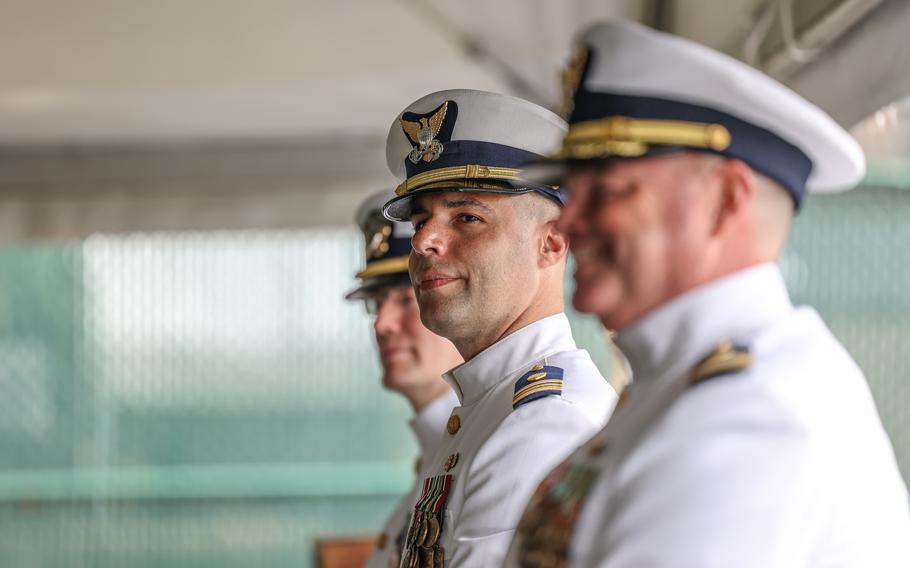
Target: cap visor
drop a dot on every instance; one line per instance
(372, 286)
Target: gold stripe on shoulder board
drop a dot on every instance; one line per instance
(726, 358)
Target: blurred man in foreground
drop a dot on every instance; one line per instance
(412, 357)
(748, 437)
(488, 265)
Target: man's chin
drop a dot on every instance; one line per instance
(586, 303)
(398, 377)
(599, 299)
(439, 320)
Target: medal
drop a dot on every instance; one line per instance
(433, 532)
(422, 543)
(421, 534)
(545, 528)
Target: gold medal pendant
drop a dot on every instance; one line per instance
(421, 533)
(433, 532)
(439, 558)
(426, 557)
(545, 529)
(412, 533)
(422, 546)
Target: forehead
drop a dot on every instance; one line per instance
(458, 199)
(589, 169)
(642, 170)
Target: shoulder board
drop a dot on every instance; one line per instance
(726, 358)
(540, 381)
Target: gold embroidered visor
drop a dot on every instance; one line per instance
(384, 267)
(471, 177)
(471, 172)
(629, 137)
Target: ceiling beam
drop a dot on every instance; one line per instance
(67, 193)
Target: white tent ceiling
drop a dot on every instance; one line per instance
(115, 70)
(121, 115)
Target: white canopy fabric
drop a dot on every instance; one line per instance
(228, 114)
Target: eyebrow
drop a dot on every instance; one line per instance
(418, 208)
(464, 202)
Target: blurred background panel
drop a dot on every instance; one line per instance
(181, 383)
(184, 399)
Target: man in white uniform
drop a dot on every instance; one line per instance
(748, 437)
(413, 358)
(488, 266)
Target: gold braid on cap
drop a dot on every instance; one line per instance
(468, 172)
(631, 137)
(384, 267)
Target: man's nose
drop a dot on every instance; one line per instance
(429, 239)
(388, 318)
(569, 221)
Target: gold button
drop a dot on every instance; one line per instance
(454, 424)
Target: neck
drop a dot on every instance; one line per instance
(620, 320)
(684, 329)
(420, 397)
(469, 346)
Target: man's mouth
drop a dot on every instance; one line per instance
(389, 352)
(431, 279)
(592, 252)
(584, 254)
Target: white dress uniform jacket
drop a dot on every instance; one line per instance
(428, 426)
(495, 454)
(782, 464)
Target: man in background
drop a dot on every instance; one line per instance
(748, 436)
(413, 358)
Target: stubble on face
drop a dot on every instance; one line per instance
(492, 263)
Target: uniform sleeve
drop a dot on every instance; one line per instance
(499, 482)
(717, 489)
(386, 556)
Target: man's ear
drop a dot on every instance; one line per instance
(554, 246)
(738, 187)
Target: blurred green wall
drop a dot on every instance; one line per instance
(207, 399)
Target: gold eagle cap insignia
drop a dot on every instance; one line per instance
(377, 233)
(422, 133)
(571, 79)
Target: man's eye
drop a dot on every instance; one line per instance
(607, 194)
(417, 224)
(465, 218)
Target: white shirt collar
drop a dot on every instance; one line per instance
(676, 335)
(428, 424)
(537, 340)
